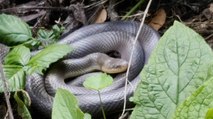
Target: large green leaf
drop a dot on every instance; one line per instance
(198, 104)
(15, 76)
(13, 30)
(65, 106)
(20, 55)
(176, 68)
(47, 56)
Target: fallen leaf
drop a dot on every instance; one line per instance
(158, 21)
(102, 16)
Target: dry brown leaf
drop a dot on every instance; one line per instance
(102, 16)
(158, 21)
(211, 7)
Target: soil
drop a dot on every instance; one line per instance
(73, 14)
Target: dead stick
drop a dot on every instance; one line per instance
(131, 55)
(6, 92)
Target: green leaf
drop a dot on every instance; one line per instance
(49, 37)
(177, 67)
(13, 30)
(22, 105)
(20, 55)
(49, 55)
(66, 102)
(197, 105)
(98, 81)
(209, 114)
(15, 76)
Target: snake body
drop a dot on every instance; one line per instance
(105, 37)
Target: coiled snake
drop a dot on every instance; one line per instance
(105, 37)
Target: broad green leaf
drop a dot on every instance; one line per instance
(177, 67)
(197, 105)
(13, 30)
(22, 105)
(98, 81)
(66, 102)
(20, 55)
(15, 76)
(209, 114)
(49, 55)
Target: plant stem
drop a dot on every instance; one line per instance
(6, 92)
(102, 108)
(133, 9)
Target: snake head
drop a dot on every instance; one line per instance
(112, 65)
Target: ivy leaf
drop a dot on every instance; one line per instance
(15, 76)
(66, 102)
(13, 30)
(43, 59)
(98, 81)
(20, 55)
(176, 68)
(198, 104)
(23, 104)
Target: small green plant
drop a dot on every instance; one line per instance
(19, 61)
(49, 37)
(98, 82)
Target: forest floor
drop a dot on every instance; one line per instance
(73, 14)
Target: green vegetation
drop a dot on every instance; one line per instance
(177, 79)
(65, 106)
(98, 82)
(19, 61)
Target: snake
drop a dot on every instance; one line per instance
(88, 43)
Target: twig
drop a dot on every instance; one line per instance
(96, 4)
(133, 9)
(131, 55)
(6, 92)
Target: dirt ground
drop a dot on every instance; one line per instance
(74, 14)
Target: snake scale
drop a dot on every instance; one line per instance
(105, 37)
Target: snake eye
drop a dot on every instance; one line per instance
(116, 66)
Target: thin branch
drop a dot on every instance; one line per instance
(131, 55)
(133, 9)
(6, 92)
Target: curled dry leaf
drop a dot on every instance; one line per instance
(102, 16)
(159, 19)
